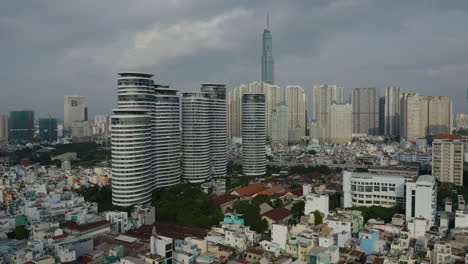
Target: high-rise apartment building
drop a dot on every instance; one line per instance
(381, 116)
(101, 125)
(392, 110)
(253, 134)
(273, 96)
(268, 64)
(413, 116)
(132, 154)
(447, 158)
(279, 131)
(218, 127)
(440, 115)
(21, 125)
(421, 198)
(339, 123)
(296, 100)
(196, 157)
(461, 121)
(3, 128)
(365, 111)
(323, 96)
(145, 139)
(82, 131)
(73, 110)
(48, 129)
(166, 136)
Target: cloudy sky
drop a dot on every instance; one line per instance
(52, 48)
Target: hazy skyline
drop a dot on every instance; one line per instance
(53, 48)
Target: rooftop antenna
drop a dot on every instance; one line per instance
(268, 21)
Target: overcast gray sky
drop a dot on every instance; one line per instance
(52, 48)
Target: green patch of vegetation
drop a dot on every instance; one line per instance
(102, 196)
(297, 211)
(20, 232)
(186, 205)
(251, 214)
(461, 131)
(378, 212)
(318, 218)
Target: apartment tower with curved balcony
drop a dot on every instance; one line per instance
(196, 156)
(253, 134)
(218, 127)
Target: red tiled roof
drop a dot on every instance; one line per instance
(297, 191)
(84, 227)
(224, 198)
(446, 136)
(272, 190)
(249, 190)
(60, 236)
(277, 214)
(379, 261)
(256, 251)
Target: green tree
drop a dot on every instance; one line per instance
(251, 214)
(297, 210)
(260, 199)
(318, 218)
(20, 232)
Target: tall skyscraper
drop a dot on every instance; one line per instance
(145, 139)
(392, 110)
(382, 116)
(279, 131)
(268, 64)
(218, 127)
(196, 157)
(296, 100)
(132, 156)
(253, 134)
(413, 116)
(447, 158)
(365, 111)
(73, 110)
(21, 125)
(3, 128)
(323, 96)
(339, 123)
(273, 96)
(440, 115)
(48, 129)
(166, 136)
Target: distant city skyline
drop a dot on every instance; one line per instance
(317, 42)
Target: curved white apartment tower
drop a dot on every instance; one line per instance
(218, 127)
(253, 134)
(132, 179)
(166, 140)
(196, 157)
(155, 144)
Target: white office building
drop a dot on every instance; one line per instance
(218, 127)
(316, 202)
(196, 157)
(421, 198)
(368, 189)
(253, 134)
(73, 110)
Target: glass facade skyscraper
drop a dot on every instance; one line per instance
(21, 125)
(268, 64)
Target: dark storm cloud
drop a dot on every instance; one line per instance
(52, 48)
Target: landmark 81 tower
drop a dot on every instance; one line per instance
(268, 64)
